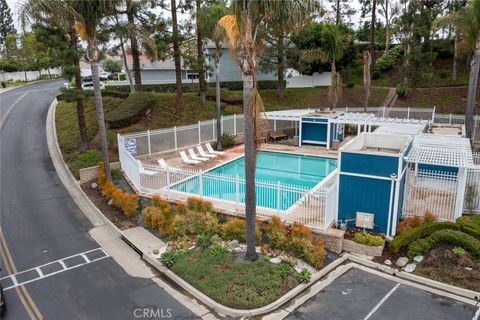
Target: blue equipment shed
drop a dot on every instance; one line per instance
(372, 179)
(319, 128)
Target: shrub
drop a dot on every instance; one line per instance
(86, 159)
(148, 216)
(228, 140)
(368, 239)
(452, 237)
(387, 61)
(401, 90)
(276, 233)
(194, 223)
(108, 189)
(218, 251)
(429, 217)
(204, 241)
(316, 255)
(116, 175)
(234, 229)
(459, 251)
(285, 270)
(424, 230)
(303, 276)
(181, 208)
(300, 231)
(131, 110)
(199, 205)
(168, 259)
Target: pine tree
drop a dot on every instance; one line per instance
(6, 21)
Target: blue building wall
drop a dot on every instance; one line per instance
(369, 164)
(364, 195)
(229, 70)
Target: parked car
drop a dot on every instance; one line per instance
(113, 76)
(103, 77)
(89, 86)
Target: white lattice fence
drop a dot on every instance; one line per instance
(431, 191)
(472, 191)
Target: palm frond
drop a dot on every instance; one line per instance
(229, 23)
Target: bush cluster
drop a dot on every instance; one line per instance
(193, 87)
(70, 95)
(445, 236)
(228, 140)
(421, 231)
(415, 221)
(387, 61)
(86, 159)
(131, 110)
(125, 201)
(368, 239)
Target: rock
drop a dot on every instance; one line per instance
(388, 262)
(401, 262)
(110, 202)
(418, 259)
(410, 267)
(233, 244)
(275, 260)
(468, 269)
(94, 185)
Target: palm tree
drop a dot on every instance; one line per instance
(467, 24)
(90, 13)
(61, 15)
(208, 17)
(244, 30)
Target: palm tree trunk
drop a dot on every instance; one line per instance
(472, 88)
(337, 18)
(387, 28)
(134, 48)
(281, 66)
(101, 118)
(372, 32)
(250, 164)
(217, 95)
(176, 55)
(366, 78)
(455, 57)
(82, 125)
(129, 76)
(201, 60)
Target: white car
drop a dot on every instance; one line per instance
(89, 86)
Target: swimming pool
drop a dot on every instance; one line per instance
(295, 174)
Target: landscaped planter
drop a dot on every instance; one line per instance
(355, 247)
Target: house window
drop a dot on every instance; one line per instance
(192, 76)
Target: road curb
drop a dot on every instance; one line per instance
(414, 278)
(66, 177)
(238, 313)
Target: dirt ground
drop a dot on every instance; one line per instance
(113, 214)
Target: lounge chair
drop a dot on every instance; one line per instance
(210, 149)
(186, 160)
(145, 171)
(195, 157)
(204, 154)
(164, 165)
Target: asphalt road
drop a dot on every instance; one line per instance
(40, 223)
(362, 295)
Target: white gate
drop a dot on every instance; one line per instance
(472, 191)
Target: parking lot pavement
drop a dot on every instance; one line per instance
(358, 294)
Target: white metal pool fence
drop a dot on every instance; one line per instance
(315, 207)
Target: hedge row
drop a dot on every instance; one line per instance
(71, 95)
(425, 230)
(131, 110)
(422, 231)
(453, 237)
(192, 87)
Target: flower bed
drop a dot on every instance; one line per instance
(363, 243)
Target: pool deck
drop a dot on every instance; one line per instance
(230, 154)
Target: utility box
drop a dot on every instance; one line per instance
(372, 180)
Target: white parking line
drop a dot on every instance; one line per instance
(477, 314)
(61, 262)
(5, 115)
(379, 304)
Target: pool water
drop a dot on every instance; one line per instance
(295, 173)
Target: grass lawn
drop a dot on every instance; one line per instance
(236, 284)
